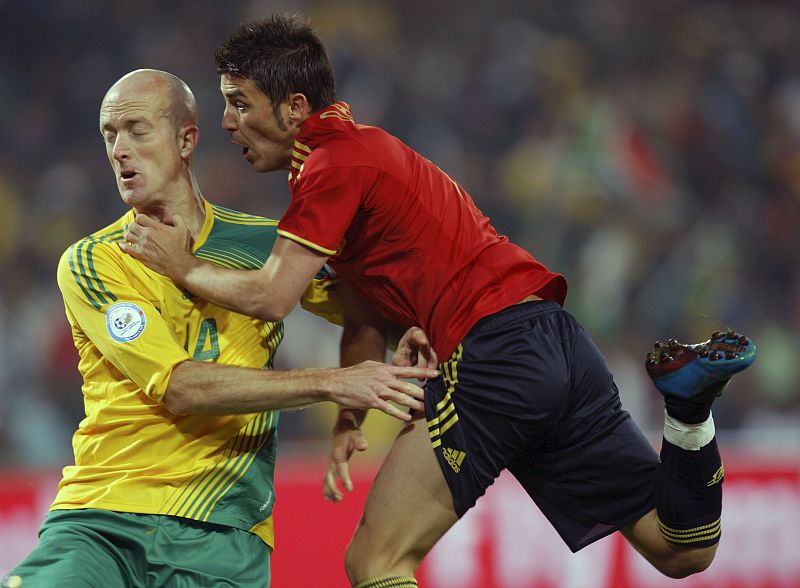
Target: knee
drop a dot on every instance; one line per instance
(351, 564)
(371, 555)
(363, 557)
(685, 563)
(670, 559)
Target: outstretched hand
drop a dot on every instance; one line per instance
(371, 384)
(347, 438)
(163, 247)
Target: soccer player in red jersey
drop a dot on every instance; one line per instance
(522, 386)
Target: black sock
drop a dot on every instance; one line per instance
(694, 410)
(688, 494)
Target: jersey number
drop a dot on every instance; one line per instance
(208, 333)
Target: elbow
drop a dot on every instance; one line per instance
(270, 310)
(179, 399)
(263, 297)
(178, 402)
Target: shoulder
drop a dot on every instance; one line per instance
(89, 268)
(361, 146)
(232, 225)
(230, 216)
(84, 254)
(238, 239)
(104, 239)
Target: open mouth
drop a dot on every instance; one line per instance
(127, 175)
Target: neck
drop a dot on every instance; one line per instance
(187, 204)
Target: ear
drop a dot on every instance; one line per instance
(299, 108)
(188, 136)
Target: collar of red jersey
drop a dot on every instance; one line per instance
(327, 119)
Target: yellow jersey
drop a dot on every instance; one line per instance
(131, 327)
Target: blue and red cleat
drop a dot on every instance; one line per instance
(689, 371)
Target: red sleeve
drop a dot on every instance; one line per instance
(323, 206)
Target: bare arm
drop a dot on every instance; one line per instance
(269, 293)
(206, 388)
(364, 337)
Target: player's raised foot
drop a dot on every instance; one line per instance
(701, 369)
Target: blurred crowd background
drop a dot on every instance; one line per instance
(650, 151)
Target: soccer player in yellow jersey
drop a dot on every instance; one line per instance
(173, 477)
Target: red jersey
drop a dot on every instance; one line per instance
(402, 232)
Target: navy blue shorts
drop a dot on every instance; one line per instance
(527, 390)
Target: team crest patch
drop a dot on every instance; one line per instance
(125, 321)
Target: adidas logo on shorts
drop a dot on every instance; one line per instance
(454, 457)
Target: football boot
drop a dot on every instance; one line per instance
(700, 369)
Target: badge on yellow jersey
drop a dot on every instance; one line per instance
(125, 321)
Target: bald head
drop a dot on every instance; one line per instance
(148, 121)
(167, 93)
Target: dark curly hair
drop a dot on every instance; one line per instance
(282, 55)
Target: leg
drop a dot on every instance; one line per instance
(83, 548)
(680, 537)
(668, 558)
(476, 423)
(184, 552)
(407, 510)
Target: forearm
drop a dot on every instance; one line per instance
(361, 341)
(206, 388)
(209, 388)
(248, 292)
(355, 348)
(268, 293)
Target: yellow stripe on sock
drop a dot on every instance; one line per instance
(393, 582)
(706, 532)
